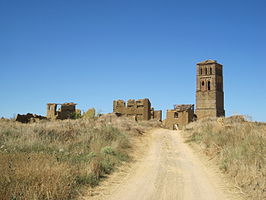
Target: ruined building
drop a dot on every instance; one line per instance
(29, 117)
(180, 116)
(139, 109)
(156, 114)
(209, 91)
(67, 111)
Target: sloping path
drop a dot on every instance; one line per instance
(169, 170)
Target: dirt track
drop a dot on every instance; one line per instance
(169, 170)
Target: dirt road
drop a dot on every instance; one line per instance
(169, 170)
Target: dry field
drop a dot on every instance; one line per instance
(54, 160)
(58, 160)
(239, 148)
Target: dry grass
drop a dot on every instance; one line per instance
(240, 149)
(53, 160)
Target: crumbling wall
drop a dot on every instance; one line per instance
(180, 116)
(139, 109)
(29, 117)
(90, 113)
(67, 111)
(119, 107)
(157, 115)
(51, 110)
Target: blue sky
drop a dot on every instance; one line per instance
(94, 51)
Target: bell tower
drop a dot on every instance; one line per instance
(209, 91)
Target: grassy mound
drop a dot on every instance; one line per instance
(53, 160)
(240, 148)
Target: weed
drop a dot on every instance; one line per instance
(52, 160)
(240, 148)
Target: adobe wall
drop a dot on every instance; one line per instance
(29, 117)
(51, 110)
(178, 118)
(119, 106)
(67, 111)
(139, 109)
(158, 115)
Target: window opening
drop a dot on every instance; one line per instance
(209, 85)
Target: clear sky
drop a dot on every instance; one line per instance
(94, 51)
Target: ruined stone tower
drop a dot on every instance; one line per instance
(209, 92)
